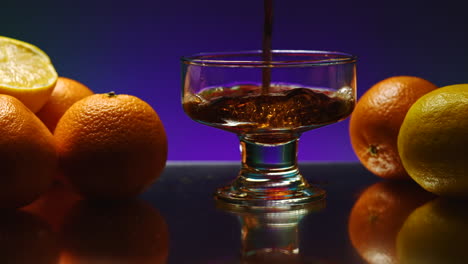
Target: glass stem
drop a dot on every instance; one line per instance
(268, 158)
(269, 177)
(269, 169)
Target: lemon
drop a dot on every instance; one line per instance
(433, 141)
(436, 232)
(26, 73)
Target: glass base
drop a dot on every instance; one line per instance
(284, 194)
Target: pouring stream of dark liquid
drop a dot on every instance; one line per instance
(266, 47)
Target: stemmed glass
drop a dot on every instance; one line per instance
(268, 104)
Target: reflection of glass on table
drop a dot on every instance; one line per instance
(270, 236)
(305, 90)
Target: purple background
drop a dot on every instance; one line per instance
(134, 47)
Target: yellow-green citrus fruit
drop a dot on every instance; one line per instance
(433, 141)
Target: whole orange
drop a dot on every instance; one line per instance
(377, 119)
(66, 92)
(28, 160)
(111, 146)
(377, 216)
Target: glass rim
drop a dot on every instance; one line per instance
(309, 58)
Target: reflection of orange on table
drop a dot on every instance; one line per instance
(378, 215)
(25, 238)
(124, 232)
(53, 205)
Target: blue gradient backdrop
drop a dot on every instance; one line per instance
(134, 47)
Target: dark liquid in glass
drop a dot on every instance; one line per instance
(244, 109)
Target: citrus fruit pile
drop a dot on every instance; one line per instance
(55, 129)
(406, 127)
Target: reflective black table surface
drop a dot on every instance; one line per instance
(201, 231)
(363, 219)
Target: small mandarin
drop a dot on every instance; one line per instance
(66, 92)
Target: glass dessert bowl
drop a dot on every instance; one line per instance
(268, 104)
